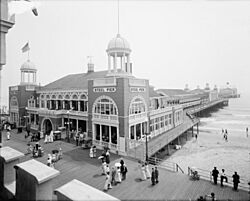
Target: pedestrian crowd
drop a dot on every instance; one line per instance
(145, 173)
(113, 176)
(225, 134)
(223, 176)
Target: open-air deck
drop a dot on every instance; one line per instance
(76, 164)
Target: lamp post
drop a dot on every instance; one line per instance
(146, 146)
(68, 129)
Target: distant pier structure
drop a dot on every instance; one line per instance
(229, 92)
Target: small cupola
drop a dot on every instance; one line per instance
(28, 73)
(90, 65)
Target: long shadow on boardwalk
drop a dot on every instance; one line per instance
(82, 155)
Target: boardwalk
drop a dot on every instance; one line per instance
(173, 186)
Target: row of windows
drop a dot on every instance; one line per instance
(137, 106)
(106, 133)
(105, 106)
(162, 103)
(64, 104)
(138, 130)
(67, 96)
(178, 116)
(160, 122)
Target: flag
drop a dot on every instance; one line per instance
(34, 10)
(26, 47)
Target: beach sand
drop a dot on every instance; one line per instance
(211, 150)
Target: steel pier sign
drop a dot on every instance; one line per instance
(137, 89)
(104, 89)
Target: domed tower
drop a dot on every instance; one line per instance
(207, 88)
(28, 73)
(119, 56)
(186, 88)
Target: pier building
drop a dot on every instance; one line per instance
(112, 107)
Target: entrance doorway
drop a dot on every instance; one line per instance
(47, 126)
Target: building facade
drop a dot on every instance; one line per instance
(112, 107)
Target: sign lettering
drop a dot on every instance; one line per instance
(105, 89)
(137, 89)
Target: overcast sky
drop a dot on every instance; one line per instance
(173, 42)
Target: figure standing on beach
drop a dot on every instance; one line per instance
(247, 131)
(215, 174)
(236, 181)
(226, 135)
(196, 136)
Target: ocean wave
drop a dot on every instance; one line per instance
(209, 129)
(242, 115)
(208, 119)
(234, 122)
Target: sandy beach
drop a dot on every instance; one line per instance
(212, 150)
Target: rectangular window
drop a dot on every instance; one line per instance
(97, 131)
(162, 121)
(132, 132)
(113, 135)
(166, 120)
(105, 133)
(107, 109)
(102, 109)
(138, 131)
(170, 119)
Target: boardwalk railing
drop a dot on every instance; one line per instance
(204, 174)
(165, 164)
(207, 175)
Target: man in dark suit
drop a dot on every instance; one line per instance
(156, 175)
(236, 181)
(215, 174)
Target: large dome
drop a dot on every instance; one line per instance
(118, 43)
(28, 65)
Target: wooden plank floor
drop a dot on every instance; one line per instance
(172, 186)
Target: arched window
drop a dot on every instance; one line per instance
(75, 97)
(105, 105)
(42, 96)
(67, 96)
(60, 97)
(53, 97)
(13, 101)
(137, 106)
(83, 97)
(47, 97)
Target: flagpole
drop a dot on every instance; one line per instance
(29, 52)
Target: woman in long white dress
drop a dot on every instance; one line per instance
(45, 139)
(107, 184)
(51, 136)
(91, 152)
(143, 172)
(148, 175)
(118, 177)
